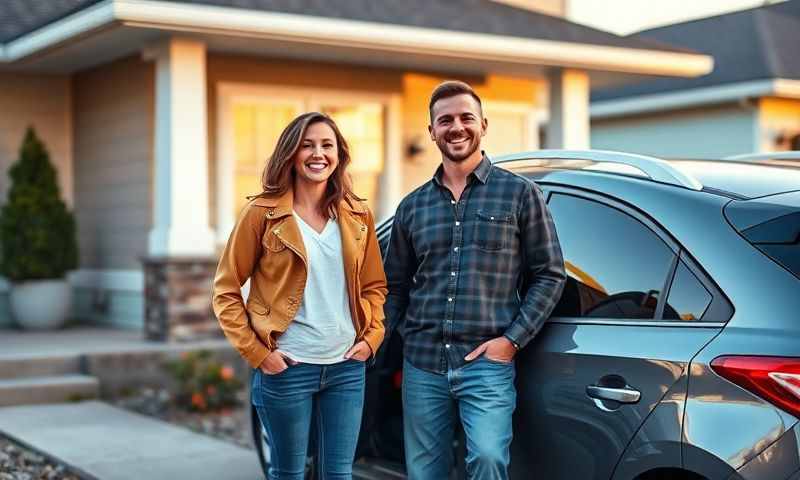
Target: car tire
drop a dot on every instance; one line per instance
(261, 441)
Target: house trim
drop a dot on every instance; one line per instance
(353, 34)
(779, 87)
(117, 280)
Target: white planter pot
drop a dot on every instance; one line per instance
(41, 304)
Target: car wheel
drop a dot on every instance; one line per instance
(261, 440)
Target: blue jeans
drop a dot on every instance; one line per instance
(483, 392)
(285, 403)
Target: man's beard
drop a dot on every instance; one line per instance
(458, 157)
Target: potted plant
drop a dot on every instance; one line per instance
(37, 240)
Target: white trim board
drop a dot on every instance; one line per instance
(357, 35)
(778, 87)
(117, 280)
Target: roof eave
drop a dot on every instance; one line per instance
(229, 21)
(695, 97)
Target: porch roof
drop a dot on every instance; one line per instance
(43, 34)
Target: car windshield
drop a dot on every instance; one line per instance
(743, 179)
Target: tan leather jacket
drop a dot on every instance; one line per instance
(267, 247)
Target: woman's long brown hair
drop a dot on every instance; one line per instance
(278, 175)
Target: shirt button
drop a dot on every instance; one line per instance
(446, 345)
(450, 299)
(452, 274)
(453, 202)
(455, 249)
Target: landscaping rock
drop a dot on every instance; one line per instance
(19, 463)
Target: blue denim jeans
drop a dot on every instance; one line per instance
(285, 402)
(483, 392)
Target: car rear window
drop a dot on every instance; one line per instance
(772, 225)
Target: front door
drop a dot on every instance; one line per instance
(250, 120)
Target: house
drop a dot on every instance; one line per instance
(750, 102)
(160, 114)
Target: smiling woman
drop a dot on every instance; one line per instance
(315, 310)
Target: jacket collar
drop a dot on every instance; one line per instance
(282, 205)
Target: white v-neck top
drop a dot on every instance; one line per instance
(322, 330)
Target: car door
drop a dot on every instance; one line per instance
(609, 353)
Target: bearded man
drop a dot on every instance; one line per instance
(474, 270)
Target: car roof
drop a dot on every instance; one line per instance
(745, 179)
(733, 179)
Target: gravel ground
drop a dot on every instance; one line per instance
(231, 425)
(19, 463)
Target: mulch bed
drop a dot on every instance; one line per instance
(231, 425)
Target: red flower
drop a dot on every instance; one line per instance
(226, 373)
(199, 401)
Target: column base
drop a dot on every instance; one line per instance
(177, 298)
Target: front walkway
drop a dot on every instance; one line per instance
(102, 442)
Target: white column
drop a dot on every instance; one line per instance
(568, 127)
(180, 207)
(391, 180)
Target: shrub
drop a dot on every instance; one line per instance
(204, 383)
(37, 232)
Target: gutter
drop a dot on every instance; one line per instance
(398, 39)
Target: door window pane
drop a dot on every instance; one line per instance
(688, 298)
(616, 266)
(362, 126)
(256, 127)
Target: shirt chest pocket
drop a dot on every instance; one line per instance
(494, 230)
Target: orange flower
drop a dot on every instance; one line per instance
(226, 373)
(198, 401)
(211, 390)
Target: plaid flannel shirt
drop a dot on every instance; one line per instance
(461, 272)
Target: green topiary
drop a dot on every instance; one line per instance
(37, 232)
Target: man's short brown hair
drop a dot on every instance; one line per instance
(451, 88)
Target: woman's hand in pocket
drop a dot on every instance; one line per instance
(360, 351)
(274, 363)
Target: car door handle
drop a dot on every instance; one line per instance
(621, 395)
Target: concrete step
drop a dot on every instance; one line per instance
(52, 389)
(38, 366)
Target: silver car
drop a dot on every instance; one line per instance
(674, 352)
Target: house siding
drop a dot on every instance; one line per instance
(113, 118)
(709, 132)
(44, 103)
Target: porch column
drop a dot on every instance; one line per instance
(391, 179)
(180, 265)
(568, 127)
(180, 204)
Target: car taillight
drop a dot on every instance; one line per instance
(775, 379)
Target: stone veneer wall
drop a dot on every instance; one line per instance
(178, 299)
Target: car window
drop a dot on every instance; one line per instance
(688, 299)
(616, 266)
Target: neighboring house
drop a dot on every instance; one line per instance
(749, 103)
(160, 114)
